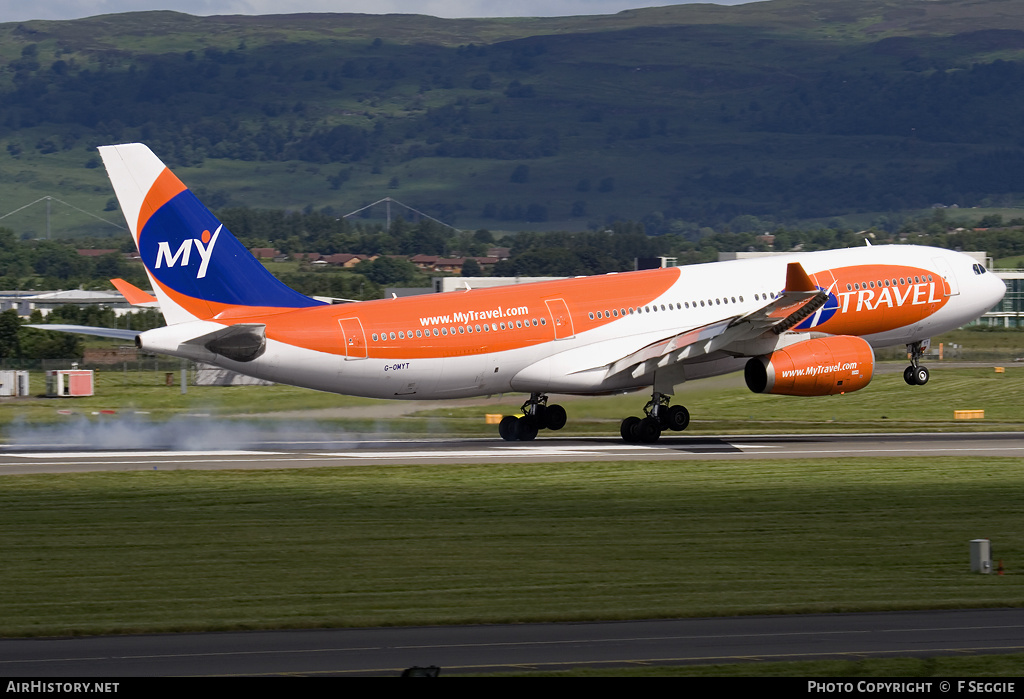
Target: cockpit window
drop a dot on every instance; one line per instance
(979, 269)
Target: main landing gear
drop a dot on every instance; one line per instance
(915, 374)
(658, 416)
(537, 415)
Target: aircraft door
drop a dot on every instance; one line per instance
(353, 338)
(561, 321)
(951, 288)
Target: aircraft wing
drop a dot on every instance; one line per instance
(800, 299)
(132, 294)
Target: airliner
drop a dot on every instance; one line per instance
(802, 324)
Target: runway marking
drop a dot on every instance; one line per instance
(491, 453)
(676, 660)
(134, 454)
(542, 643)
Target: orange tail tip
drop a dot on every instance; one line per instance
(133, 294)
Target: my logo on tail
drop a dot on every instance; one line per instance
(204, 246)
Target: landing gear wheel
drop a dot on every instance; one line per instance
(908, 376)
(921, 375)
(508, 428)
(554, 417)
(649, 430)
(527, 429)
(628, 429)
(677, 418)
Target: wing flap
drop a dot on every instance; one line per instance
(800, 299)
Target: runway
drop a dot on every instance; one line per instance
(309, 452)
(510, 648)
(470, 649)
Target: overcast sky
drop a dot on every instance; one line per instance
(20, 10)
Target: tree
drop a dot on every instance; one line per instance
(10, 345)
(520, 175)
(388, 270)
(46, 344)
(471, 268)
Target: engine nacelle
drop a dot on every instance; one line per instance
(818, 367)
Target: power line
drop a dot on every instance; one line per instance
(48, 199)
(389, 201)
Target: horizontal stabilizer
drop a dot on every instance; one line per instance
(116, 333)
(134, 295)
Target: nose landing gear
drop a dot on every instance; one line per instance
(915, 374)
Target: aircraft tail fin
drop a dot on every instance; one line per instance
(196, 266)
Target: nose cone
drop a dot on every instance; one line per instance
(994, 290)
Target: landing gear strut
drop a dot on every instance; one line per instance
(915, 374)
(537, 415)
(658, 416)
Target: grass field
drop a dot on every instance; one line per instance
(168, 551)
(190, 550)
(721, 405)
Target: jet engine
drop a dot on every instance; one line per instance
(817, 367)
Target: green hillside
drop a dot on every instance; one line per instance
(681, 117)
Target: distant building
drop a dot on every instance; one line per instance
(453, 265)
(446, 284)
(265, 253)
(45, 301)
(345, 260)
(88, 252)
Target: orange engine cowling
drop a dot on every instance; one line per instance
(819, 367)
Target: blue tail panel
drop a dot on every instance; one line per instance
(190, 253)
